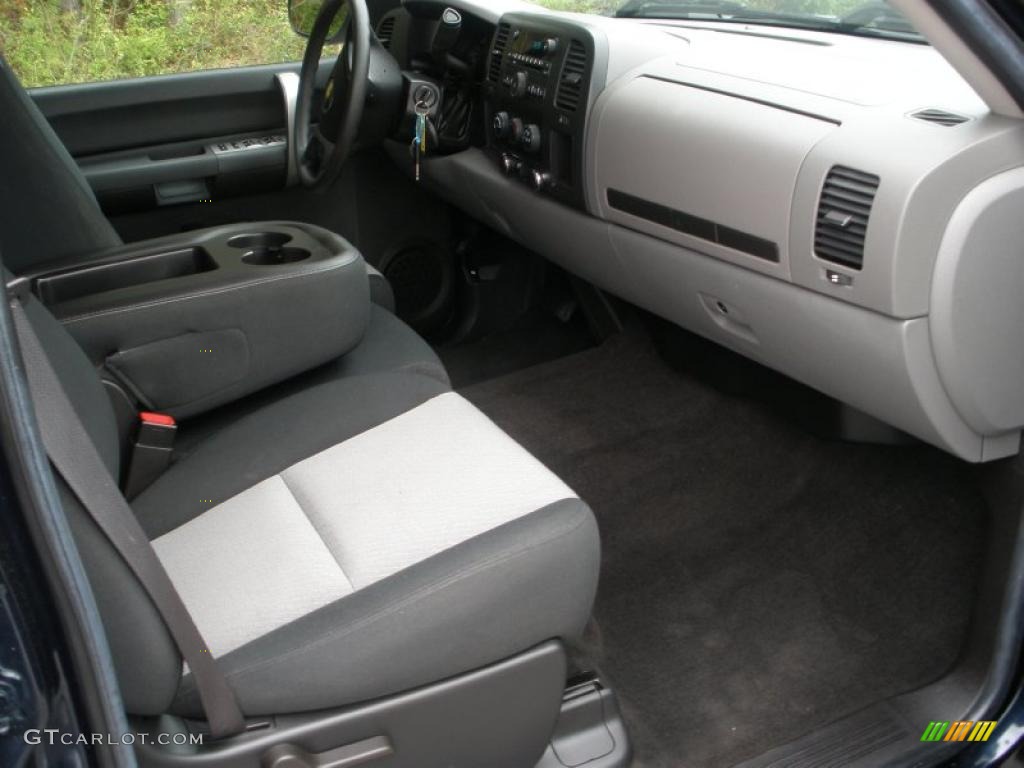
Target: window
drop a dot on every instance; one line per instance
(52, 42)
(602, 7)
(869, 18)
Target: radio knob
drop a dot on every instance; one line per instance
(544, 47)
(502, 125)
(540, 180)
(531, 138)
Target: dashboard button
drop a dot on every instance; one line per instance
(540, 180)
(518, 87)
(510, 164)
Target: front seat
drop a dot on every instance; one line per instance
(361, 538)
(369, 558)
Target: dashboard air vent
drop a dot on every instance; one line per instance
(385, 30)
(939, 117)
(570, 86)
(843, 212)
(500, 42)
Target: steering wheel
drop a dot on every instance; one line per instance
(321, 152)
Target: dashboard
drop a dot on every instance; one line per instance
(842, 209)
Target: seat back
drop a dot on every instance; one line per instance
(47, 210)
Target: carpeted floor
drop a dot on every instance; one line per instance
(758, 582)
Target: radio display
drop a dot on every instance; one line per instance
(531, 44)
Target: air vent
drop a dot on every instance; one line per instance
(843, 213)
(940, 117)
(500, 41)
(570, 86)
(385, 30)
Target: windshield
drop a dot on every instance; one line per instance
(874, 18)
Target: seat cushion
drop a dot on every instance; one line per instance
(270, 439)
(365, 537)
(388, 346)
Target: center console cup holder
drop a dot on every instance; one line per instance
(268, 249)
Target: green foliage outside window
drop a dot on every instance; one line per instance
(52, 42)
(603, 7)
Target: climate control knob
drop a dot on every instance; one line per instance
(515, 130)
(531, 138)
(502, 125)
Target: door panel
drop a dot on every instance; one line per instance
(197, 137)
(92, 118)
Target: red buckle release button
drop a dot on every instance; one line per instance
(157, 419)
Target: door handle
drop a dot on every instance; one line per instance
(288, 82)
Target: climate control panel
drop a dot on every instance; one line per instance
(538, 88)
(517, 133)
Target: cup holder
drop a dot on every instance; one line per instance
(260, 240)
(266, 256)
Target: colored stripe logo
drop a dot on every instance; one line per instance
(958, 730)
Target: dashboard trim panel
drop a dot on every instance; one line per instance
(694, 225)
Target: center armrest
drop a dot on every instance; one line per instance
(192, 321)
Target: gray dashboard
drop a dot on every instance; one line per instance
(844, 210)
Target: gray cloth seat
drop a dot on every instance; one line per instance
(361, 537)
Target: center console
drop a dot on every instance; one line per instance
(539, 84)
(184, 323)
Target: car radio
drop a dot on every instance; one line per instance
(539, 76)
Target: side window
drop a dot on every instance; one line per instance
(53, 42)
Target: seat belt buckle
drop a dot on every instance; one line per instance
(151, 451)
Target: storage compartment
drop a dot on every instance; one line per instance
(192, 321)
(267, 249)
(261, 240)
(268, 257)
(710, 171)
(88, 280)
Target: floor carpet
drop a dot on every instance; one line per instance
(758, 582)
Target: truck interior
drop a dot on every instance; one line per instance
(520, 388)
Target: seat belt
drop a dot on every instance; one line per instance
(75, 457)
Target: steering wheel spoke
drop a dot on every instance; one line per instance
(318, 150)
